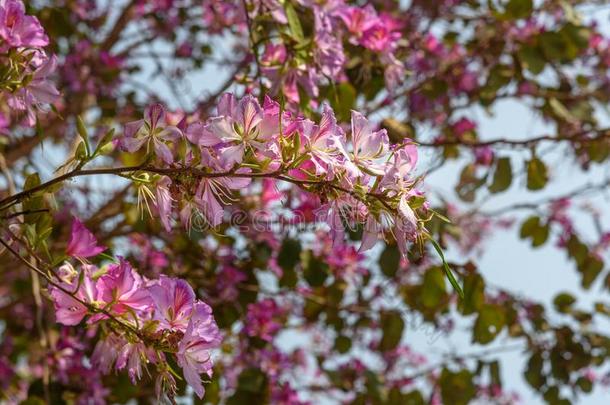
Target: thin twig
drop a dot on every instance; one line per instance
(578, 137)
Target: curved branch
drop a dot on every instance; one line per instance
(603, 134)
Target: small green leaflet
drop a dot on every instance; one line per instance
(448, 271)
(294, 23)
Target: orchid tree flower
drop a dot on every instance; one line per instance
(173, 299)
(357, 20)
(194, 350)
(214, 190)
(325, 143)
(70, 309)
(82, 243)
(18, 29)
(240, 126)
(122, 289)
(163, 202)
(398, 174)
(153, 132)
(369, 146)
(131, 356)
(39, 91)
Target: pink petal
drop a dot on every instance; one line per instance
(82, 243)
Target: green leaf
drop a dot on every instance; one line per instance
(389, 260)
(287, 258)
(561, 111)
(294, 23)
(584, 384)
(82, 131)
(252, 387)
(433, 290)
(533, 373)
(474, 294)
(33, 400)
(532, 229)
(312, 310)
(412, 398)
(552, 45)
(343, 344)
(531, 59)
(392, 325)
(251, 380)
(315, 271)
(448, 273)
(489, 324)
(590, 269)
(103, 142)
(343, 100)
(81, 152)
(563, 302)
(537, 175)
(503, 176)
(469, 183)
(33, 180)
(457, 388)
(517, 9)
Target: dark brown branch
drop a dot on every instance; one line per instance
(8, 201)
(603, 134)
(119, 26)
(535, 205)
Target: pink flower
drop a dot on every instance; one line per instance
(484, 155)
(369, 145)
(328, 52)
(153, 132)
(277, 10)
(393, 73)
(163, 202)
(401, 166)
(241, 125)
(82, 243)
(5, 121)
(261, 320)
(106, 352)
(227, 281)
(40, 90)
(380, 38)
(462, 126)
(20, 30)
(357, 19)
(213, 190)
(173, 299)
(131, 356)
(304, 77)
(325, 142)
(270, 192)
(69, 308)
(122, 289)
(194, 350)
(405, 226)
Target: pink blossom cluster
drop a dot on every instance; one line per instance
(26, 84)
(358, 178)
(334, 22)
(261, 319)
(69, 363)
(278, 366)
(89, 70)
(433, 59)
(559, 215)
(143, 319)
